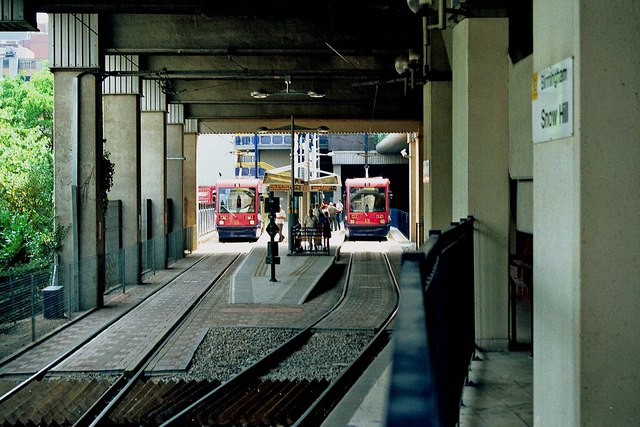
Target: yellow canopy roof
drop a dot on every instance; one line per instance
(282, 177)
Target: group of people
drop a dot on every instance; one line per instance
(325, 218)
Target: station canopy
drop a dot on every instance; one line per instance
(279, 179)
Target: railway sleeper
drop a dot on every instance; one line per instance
(261, 401)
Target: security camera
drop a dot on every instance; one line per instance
(404, 152)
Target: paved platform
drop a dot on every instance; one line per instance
(296, 275)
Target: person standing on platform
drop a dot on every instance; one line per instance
(317, 211)
(310, 224)
(333, 216)
(325, 221)
(281, 215)
(339, 208)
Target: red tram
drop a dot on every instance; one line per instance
(367, 207)
(238, 208)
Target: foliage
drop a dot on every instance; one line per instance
(27, 236)
(107, 169)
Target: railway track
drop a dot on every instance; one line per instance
(48, 398)
(259, 395)
(253, 398)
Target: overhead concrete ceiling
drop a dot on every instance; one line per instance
(211, 55)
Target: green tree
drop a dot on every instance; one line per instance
(27, 237)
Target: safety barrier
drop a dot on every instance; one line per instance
(309, 241)
(206, 220)
(33, 304)
(400, 220)
(434, 338)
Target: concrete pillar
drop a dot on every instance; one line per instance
(77, 154)
(122, 135)
(480, 179)
(154, 184)
(74, 44)
(417, 231)
(337, 193)
(189, 185)
(153, 125)
(586, 200)
(437, 152)
(175, 160)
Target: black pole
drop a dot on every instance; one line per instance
(292, 214)
(272, 246)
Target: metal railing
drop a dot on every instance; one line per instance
(309, 241)
(206, 220)
(400, 220)
(434, 339)
(34, 304)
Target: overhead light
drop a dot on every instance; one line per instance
(288, 91)
(260, 94)
(316, 94)
(320, 129)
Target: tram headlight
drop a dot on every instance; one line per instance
(221, 222)
(252, 222)
(382, 221)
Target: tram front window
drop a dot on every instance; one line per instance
(236, 200)
(367, 199)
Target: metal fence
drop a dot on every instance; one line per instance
(434, 338)
(400, 220)
(34, 304)
(206, 220)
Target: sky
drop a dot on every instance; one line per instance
(215, 158)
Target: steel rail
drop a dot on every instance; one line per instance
(344, 381)
(264, 364)
(45, 369)
(322, 406)
(118, 390)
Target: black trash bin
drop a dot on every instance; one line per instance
(52, 302)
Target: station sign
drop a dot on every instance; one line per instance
(552, 102)
(285, 187)
(322, 188)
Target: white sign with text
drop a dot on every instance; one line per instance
(552, 102)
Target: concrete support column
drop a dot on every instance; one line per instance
(122, 135)
(480, 165)
(154, 184)
(175, 161)
(189, 184)
(153, 125)
(77, 140)
(77, 153)
(417, 231)
(437, 152)
(337, 193)
(586, 201)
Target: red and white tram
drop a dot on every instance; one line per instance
(367, 207)
(238, 208)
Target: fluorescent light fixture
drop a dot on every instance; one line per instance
(260, 94)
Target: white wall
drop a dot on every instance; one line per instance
(480, 150)
(587, 240)
(520, 142)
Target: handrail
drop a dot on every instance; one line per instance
(434, 338)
